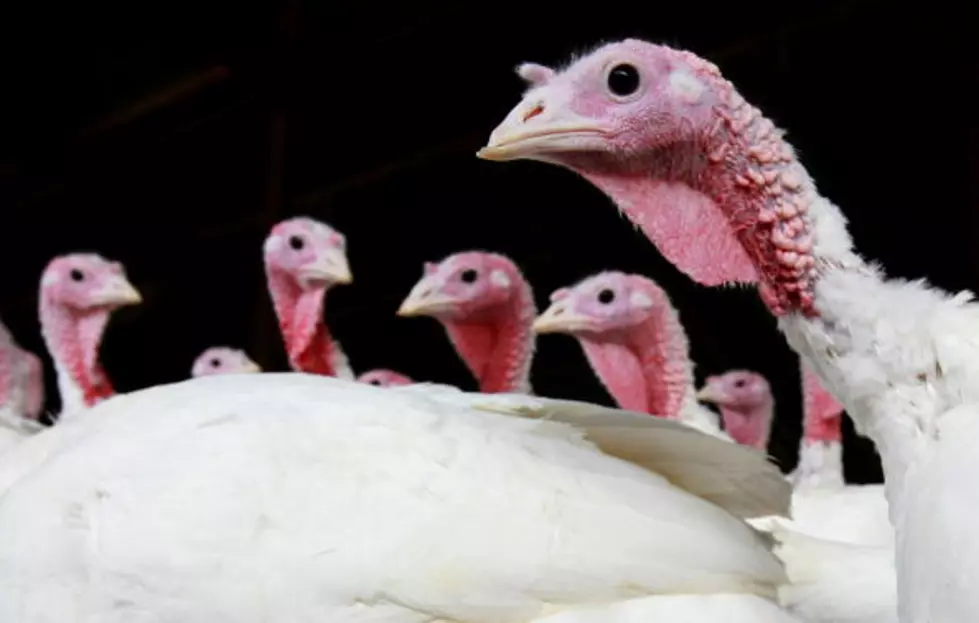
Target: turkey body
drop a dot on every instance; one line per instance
(293, 497)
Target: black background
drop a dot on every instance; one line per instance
(172, 135)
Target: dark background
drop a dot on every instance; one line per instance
(172, 135)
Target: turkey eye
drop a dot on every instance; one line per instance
(76, 275)
(296, 243)
(215, 363)
(606, 296)
(375, 382)
(623, 80)
(469, 275)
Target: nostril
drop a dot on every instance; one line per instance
(533, 112)
(559, 311)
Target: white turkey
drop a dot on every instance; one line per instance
(715, 186)
(634, 341)
(223, 360)
(487, 308)
(304, 498)
(304, 259)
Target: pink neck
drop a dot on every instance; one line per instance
(822, 419)
(300, 313)
(8, 364)
(741, 193)
(748, 426)
(646, 368)
(497, 344)
(73, 338)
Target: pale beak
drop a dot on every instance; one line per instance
(251, 367)
(536, 127)
(424, 300)
(710, 393)
(558, 319)
(331, 267)
(118, 291)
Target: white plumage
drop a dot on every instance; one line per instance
(298, 498)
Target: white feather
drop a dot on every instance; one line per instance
(299, 498)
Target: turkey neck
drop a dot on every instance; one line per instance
(821, 448)
(73, 338)
(647, 367)
(299, 310)
(497, 343)
(749, 426)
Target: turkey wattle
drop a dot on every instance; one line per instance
(715, 186)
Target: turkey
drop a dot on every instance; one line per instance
(79, 292)
(633, 339)
(823, 505)
(384, 378)
(304, 258)
(745, 401)
(719, 191)
(302, 498)
(487, 309)
(834, 526)
(20, 382)
(223, 360)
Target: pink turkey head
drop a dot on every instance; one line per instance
(822, 414)
(463, 286)
(604, 303)
(384, 378)
(78, 293)
(311, 253)
(86, 282)
(304, 258)
(487, 308)
(223, 360)
(702, 173)
(746, 404)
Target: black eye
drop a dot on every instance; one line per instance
(76, 275)
(623, 80)
(469, 275)
(375, 382)
(296, 243)
(215, 363)
(739, 383)
(606, 296)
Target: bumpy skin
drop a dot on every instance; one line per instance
(739, 164)
(706, 177)
(304, 258)
(487, 309)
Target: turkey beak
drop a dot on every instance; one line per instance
(251, 367)
(539, 125)
(710, 393)
(558, 319)
(424, 300)
(117, 291)
(331, 267)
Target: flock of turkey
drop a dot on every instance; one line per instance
(244, 497)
